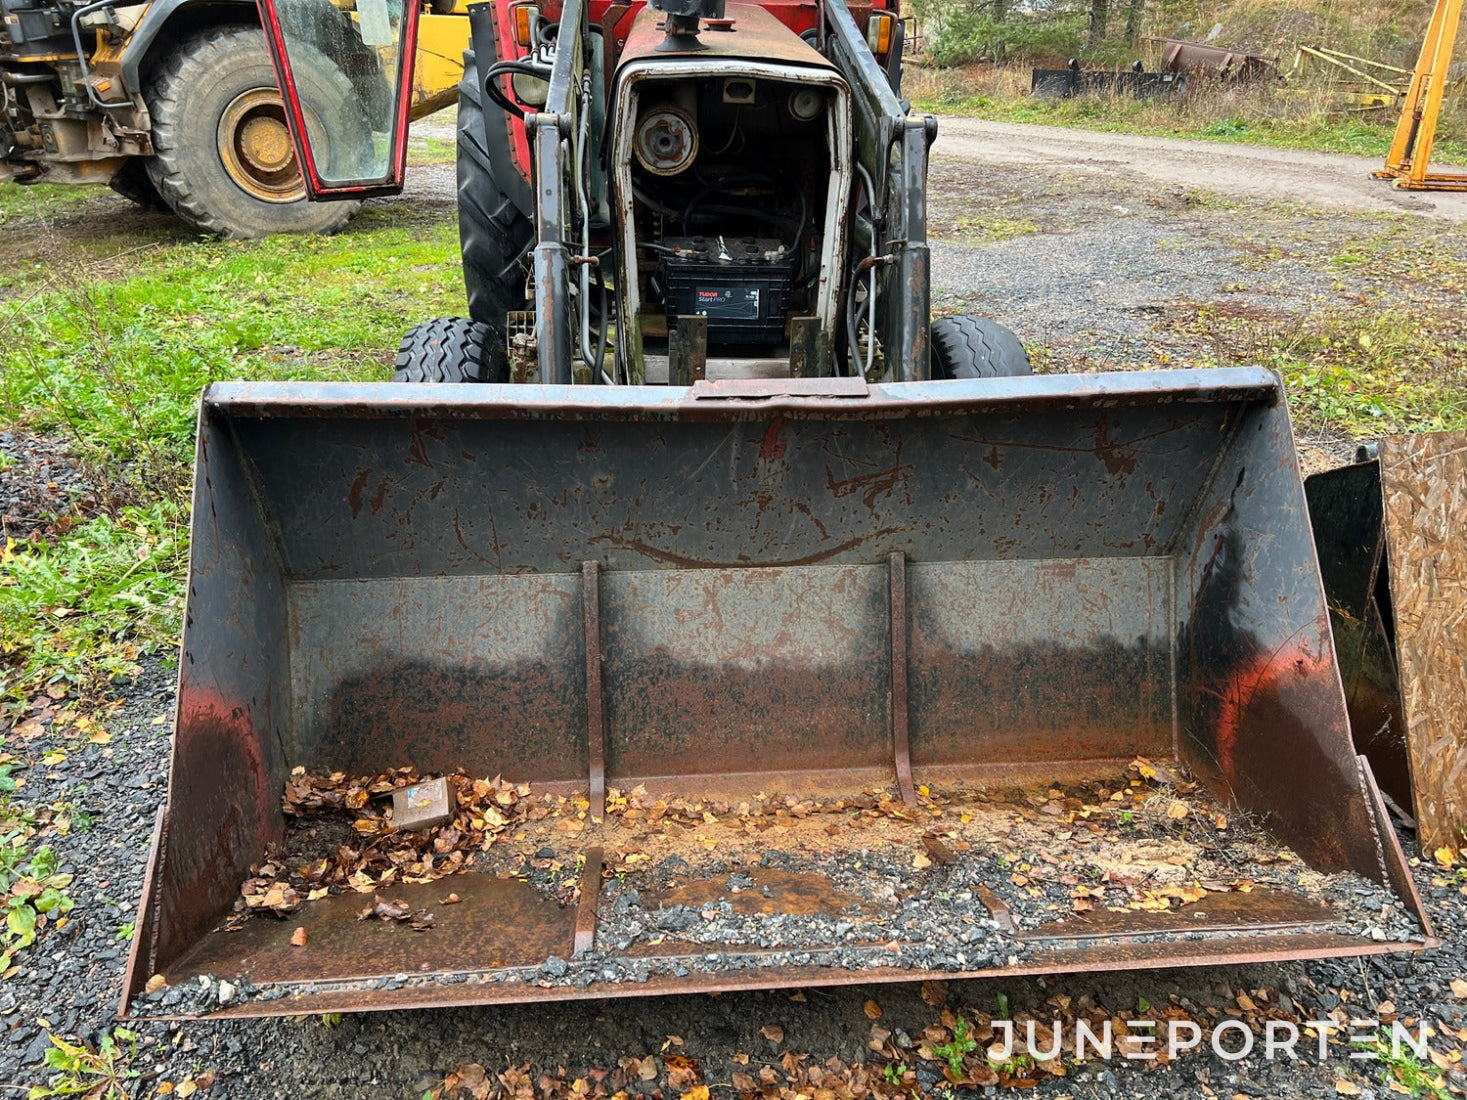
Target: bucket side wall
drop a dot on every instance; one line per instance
(229, 767)
(1261, 710)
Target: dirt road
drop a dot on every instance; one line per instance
(1244, 171)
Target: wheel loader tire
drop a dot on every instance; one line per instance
(975, 347)
(493, 232)
(223, 159)
(451, 349)
(133, 183)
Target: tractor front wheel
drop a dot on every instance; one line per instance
(450, 349)
(224, 161)
(975, 347)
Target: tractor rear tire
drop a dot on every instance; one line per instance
(975, 347)
(223, 159)
(451, 349)
(493, 232)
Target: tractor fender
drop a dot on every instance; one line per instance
(177, 17)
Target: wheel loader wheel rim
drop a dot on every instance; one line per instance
(256, 149)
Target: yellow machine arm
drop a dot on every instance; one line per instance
(1410, 153)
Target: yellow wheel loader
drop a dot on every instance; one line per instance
(174, 102)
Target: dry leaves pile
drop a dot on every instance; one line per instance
(370, 854)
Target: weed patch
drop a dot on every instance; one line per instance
(103, 1074)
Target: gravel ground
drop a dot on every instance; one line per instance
(1087, 264)
(70, 982)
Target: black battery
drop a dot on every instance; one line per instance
(741, 284)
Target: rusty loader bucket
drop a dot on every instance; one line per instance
(751, 685)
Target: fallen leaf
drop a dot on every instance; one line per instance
(1347, 1088)
(743, 1082)
(697, 1092)
(475, 1078)
(452, 899)
(1459, 989)
(798, 996)
(681, 1070)
(298, 938)
(165, 1087)
(920, 862)
(1177, 810)
(934, 993)
(157, 982)
(872, 1009)
(773, 1032)
(941, 854)
(185, 1088)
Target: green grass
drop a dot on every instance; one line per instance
(116, 366)
(429, 149)
(984, 229)
(1359, 373)
(27, 202)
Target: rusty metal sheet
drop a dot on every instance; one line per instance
(1261, 908)
(444, 661)
(1190, 57)
(1425, 483)
(717, 672)
(1346, 513)
(498, 922)
(763, 388)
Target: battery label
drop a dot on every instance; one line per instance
(730, 303)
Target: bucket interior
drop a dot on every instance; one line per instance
(928, 604)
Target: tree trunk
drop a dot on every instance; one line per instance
(1099, 16)
(1000, 10)
(1133, 19)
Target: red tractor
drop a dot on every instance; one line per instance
(667, 192)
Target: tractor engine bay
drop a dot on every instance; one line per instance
(731, 183)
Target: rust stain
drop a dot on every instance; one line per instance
(354, 494)
(773, 446)
(1116, 458)
(1265, 677)
(871, 485)
(379, 497)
